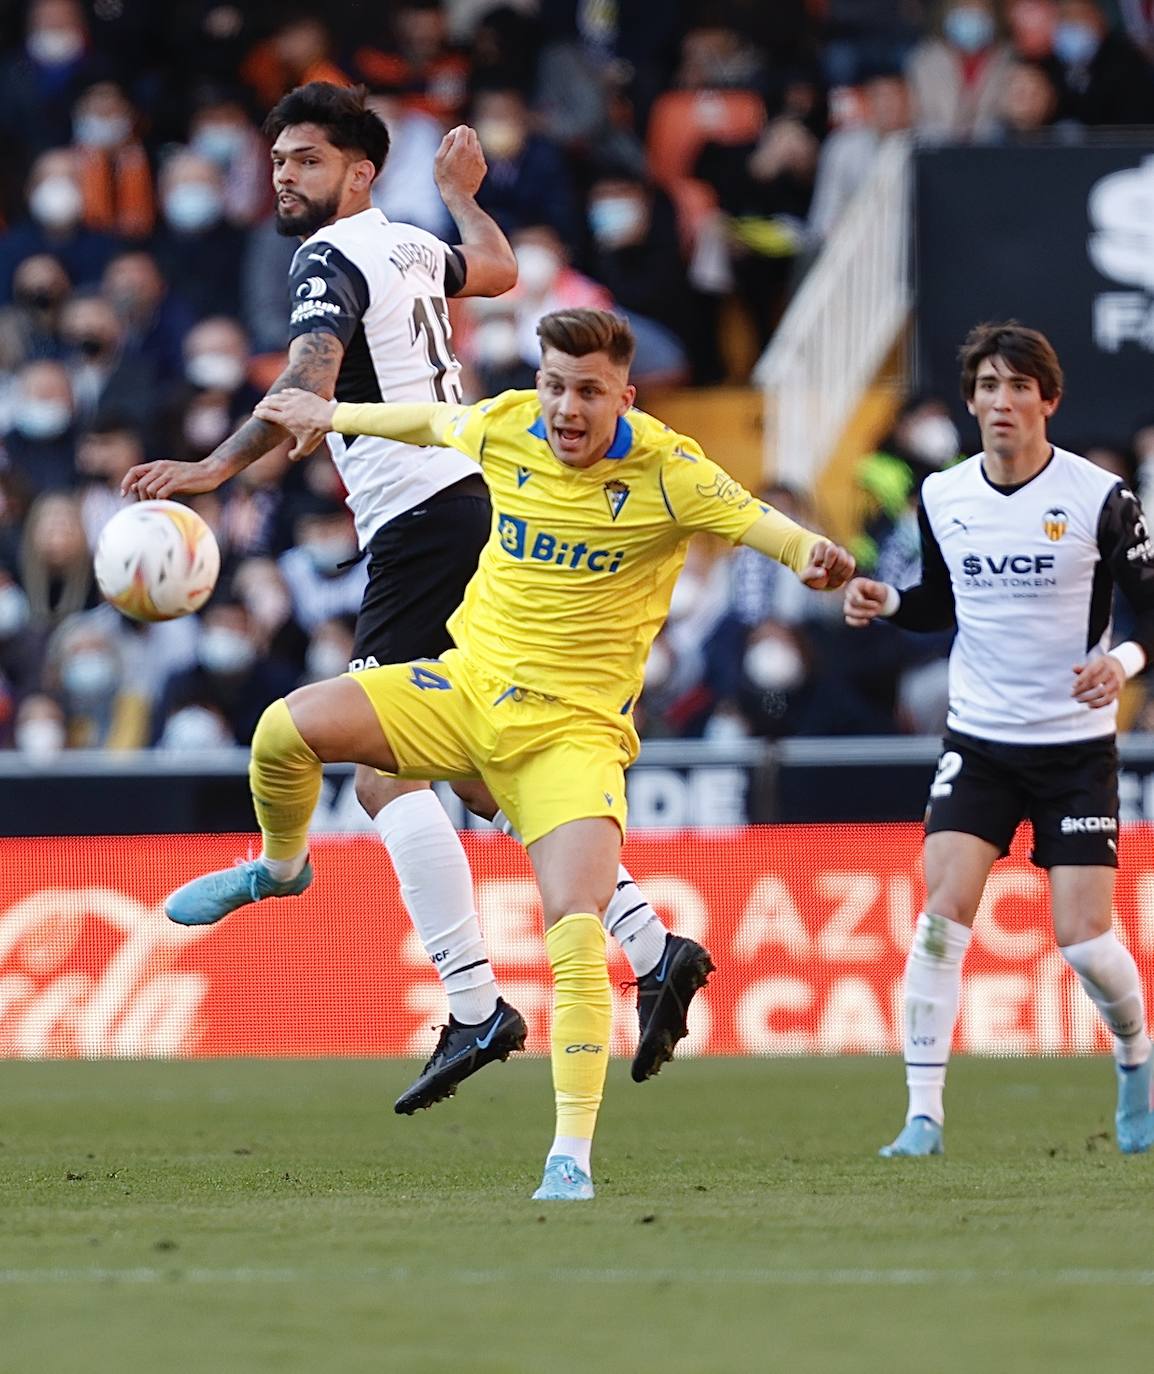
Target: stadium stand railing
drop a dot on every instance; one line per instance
(844, 320)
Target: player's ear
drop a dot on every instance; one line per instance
(1048, 407)
(970, 406)
(364, 174)
(628, 396)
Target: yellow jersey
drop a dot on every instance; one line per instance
(576, 578)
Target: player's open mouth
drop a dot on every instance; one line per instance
(284, 201)
(570, 438)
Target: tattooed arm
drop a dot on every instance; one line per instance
(313, 363)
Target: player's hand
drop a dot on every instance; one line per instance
(864, 601)
(459, 166)
(307, 417)
(829, 567)
(1098, 682)
(166, 477)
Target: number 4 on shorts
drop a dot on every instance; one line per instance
(427, 680)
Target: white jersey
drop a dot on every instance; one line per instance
(380, 288)
(1028, 573)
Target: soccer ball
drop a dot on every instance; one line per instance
(157, 560)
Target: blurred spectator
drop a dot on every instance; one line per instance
(103, 375)
(103, 706)
(716, 57)
(251, 516)
(330, 649)
(261, 586)
(764, 191)
(112, 166)
(635, 251)
(1029, 103)
(420, 65)
(1031, 25)
(53, 225)
(957, 73)
(847, 155)
(55, 561)
(222, 132)
(153, 319)
(197, 250)
(298, 52)
(264, 303)
(405, 189)
(214, 394)
(860, 36)
(528, 181)
(30, 326)
(40, 731)
(41, 444)
(194, 728)
(39, 83)
(505, 47)
(230, 677)
(105, 451)
(19, 656)
(1107, 80)
(316, 570)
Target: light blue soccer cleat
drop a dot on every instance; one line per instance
(1134, 1118)
(919, 1136)
(564, 1181)
(206, 900)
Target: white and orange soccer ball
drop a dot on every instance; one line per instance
(157, 560)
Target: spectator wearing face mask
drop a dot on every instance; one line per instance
(319, 586)
(528, 182)
(55, 561)
(103, 375)
(214, 393)
(222, 132)
(41, 442)
(329, 650)
(54, 225)
(39, 730)
(261, 586)
(957, 74)
(1106, 79)
(199, 253)
(232, 675)
(39, 82)
(30, 326)
(635, 251)
(112, 166)
(104, 707)
(154, 320)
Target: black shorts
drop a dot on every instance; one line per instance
(1069, 793)
(419, 565)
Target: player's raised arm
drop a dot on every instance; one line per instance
(313, 363)
(309, 417)
(818, 562)
(459, 168)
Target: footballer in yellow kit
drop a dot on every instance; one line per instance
(557, 622)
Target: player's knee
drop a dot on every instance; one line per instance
(278, 736)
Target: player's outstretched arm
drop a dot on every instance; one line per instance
(459, 168)
(818, 562)
(865, 600)
(313, 363)
(309, 418)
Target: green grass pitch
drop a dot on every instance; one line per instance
(241, 1216)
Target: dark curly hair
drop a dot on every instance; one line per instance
(340, 111)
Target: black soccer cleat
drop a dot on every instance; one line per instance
(663, 998)
(460, 1052)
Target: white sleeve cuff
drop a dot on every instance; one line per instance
(1130, 655)
(894, 600)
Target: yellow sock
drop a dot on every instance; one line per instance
(284, 776)
(582, 1020)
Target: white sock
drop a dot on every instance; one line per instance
(284, 870)
(576, 1147)
(1106, 969)
(629, 918)
(437, 889)
(635, 926)
(932, 992)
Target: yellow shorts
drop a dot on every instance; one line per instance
(545, 761)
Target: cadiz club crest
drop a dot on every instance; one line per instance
(616, 493)
(1055, 522)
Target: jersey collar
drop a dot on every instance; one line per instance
(619, 448)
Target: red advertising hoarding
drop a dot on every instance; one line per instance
(808, 926)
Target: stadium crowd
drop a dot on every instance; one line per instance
(680, 162)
